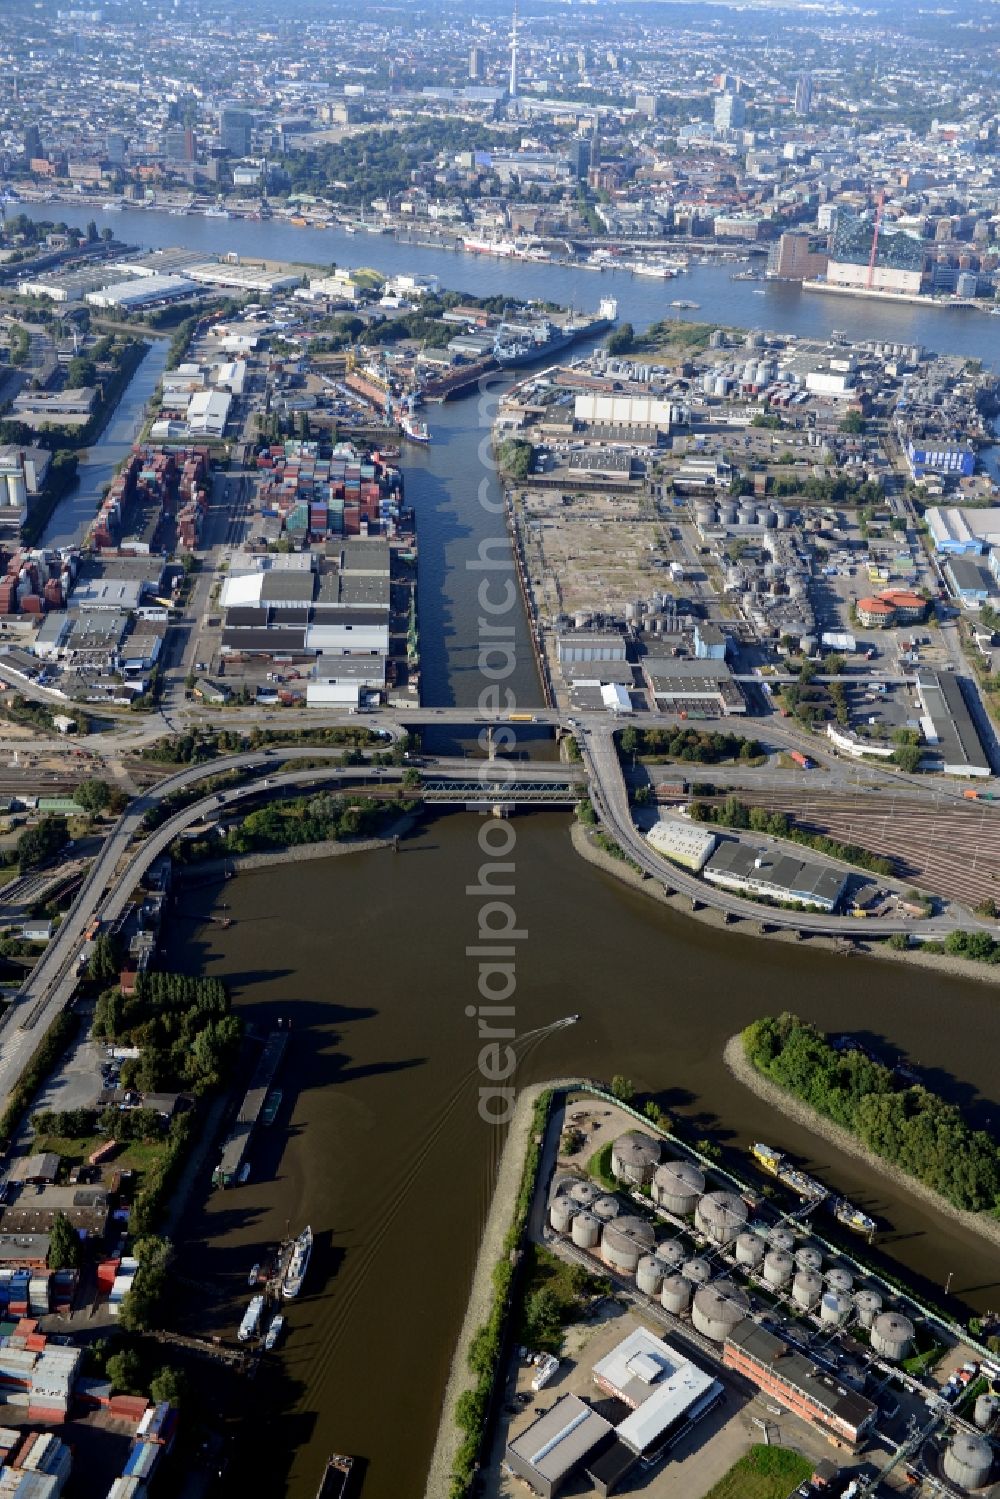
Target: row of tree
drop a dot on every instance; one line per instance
(912, 1127)
(699, 746)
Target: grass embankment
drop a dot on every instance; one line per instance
(764, 1473)
(472, 1409)
(599, 1167)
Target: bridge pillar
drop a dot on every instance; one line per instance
(491, 749)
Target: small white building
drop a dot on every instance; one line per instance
(684, 843)
(208, 413)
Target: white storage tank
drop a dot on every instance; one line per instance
(781, 1238)
(583, 1193)
(835, 1307)
(649, 1275)
(671, 1253)
(721, 1216)
(869, 1304)
(892, 1335)
(625, 1241)
(697, 1271)
(585, 1230)
(986, 1409)
(721, 386)
(749, 1249)
(808, 1257)
(561, 1214)
(968, 1460)
(839, 1279)
(718, 1308)
(730, 510)
(778, 1266)
(807, 1288)
(606, 1208)
(675, 1294)
(635, 1155)
(677, 1186)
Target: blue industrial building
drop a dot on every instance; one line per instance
(710, 644)
(941, 458)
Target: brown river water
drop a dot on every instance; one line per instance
(379, 1144)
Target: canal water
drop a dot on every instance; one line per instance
(379, 1144)
(73, 515)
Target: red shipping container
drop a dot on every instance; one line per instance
(106, 1272)
(128, 1407)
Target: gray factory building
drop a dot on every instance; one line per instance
(737, 866)
(948, 725)
(555, 1447)
(701, 689)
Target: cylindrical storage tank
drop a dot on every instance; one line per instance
(839, 1279)
(783, 517)
(835, 1307)
(625, 1241)
(746, 515)
(17, 489)
(582, 1193)
(721, 386)
(730, 510)
(769, 519)
(721, 1216)
(704, 514)
(606, 1208)
(635, 1156)
(585, 1230)
(809, 1258)
(968, 1460)
(986, 1409)
(561, 1214)
(807, 1287)
(677, 1186)
(675, 1294)
(892, 1335)
(749, 370)
(581, 619)
(749, 1249)
(778, 1266)
(781, 1238)
(671, 1254)
(708, 382)
(718, 1308)
(697, 1271)
(869, 1304)
(649, 1275)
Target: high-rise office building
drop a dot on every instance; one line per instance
(178, 144)
(730, 112)
(235, 128)
(803, 94)
(33, 149)
(476, 64)
(648, 105)
(578, 156)
(115, 147)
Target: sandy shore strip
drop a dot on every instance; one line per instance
(786, 1103)
(963, 968)
(460, 1377)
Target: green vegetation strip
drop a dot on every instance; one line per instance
(46, 1055)
(472, 1408)
(764, 1473)
(914, 1129)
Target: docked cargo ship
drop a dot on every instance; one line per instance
(413, 428)
(505, 249)
(523, 343)
(250, 1325)
(298, 1264)
(337, 1475)
(777, 1164)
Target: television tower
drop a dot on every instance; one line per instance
(513, 55)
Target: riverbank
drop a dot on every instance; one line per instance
(793, 1108)
(503, 1207)
(940, 963)
(301, 853)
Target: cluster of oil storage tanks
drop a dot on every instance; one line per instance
(742, 514)
(672, 1272)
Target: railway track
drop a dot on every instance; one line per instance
(951, 850)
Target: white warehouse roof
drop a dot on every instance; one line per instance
(659, 1384)
(208, 411)
(684, 842)
(141, 291)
